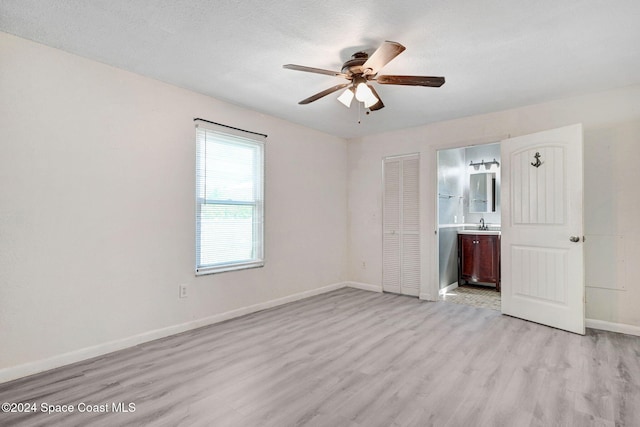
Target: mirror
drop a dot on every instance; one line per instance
(483, 193)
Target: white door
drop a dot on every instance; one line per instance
(401, 225)
(542, 228)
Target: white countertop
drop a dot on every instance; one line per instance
(489, 232)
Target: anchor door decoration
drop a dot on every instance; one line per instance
(539, 186)
(537, 163)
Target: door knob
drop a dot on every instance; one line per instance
(574, 239)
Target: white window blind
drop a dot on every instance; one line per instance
(229, 198)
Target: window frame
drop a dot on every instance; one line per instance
(210, 132)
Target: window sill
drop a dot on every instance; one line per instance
(224, 268)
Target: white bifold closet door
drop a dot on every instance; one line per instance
(401, 225)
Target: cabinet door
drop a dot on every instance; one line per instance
(467, 256)
(487, 260)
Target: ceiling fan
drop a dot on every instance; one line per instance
(362, 69)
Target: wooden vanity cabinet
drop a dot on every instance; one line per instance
(479, 259)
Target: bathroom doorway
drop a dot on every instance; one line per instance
(469, 221)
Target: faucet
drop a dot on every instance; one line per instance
(482, 225)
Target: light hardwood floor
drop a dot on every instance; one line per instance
(353, 358)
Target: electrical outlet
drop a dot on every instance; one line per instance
(364, 265)
(183, 291)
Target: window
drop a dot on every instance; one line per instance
(229, 198)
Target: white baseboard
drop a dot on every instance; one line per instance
(427, 296)
(448, 288)
(19, 371)
(622, 328)
(11, 373)
(378, 288)
(364, 286)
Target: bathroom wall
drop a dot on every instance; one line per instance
(476, 154)
(451, 181)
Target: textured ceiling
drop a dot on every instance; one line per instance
(495, 54)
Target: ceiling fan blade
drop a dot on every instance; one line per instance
(382, 56)
(314, 70)
(323, 93)
(411, 80)
(378, 105)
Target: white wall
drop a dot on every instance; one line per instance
(97, 209)
(97, 206)
(612, 200)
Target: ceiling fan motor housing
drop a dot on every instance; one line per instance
(354, 65)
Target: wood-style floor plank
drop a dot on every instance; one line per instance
(353, 358)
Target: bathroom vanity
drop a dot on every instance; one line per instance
(479, 257)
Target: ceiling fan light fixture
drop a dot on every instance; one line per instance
(347, 97)
(370, 102)
(365, 94)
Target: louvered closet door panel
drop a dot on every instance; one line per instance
(410, 204)
(401, 226)
(391, 227)
(391, 263)
(391, 214)
(410, 283)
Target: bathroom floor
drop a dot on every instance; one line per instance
(474, 295)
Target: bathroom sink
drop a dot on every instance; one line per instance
(490, 232)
